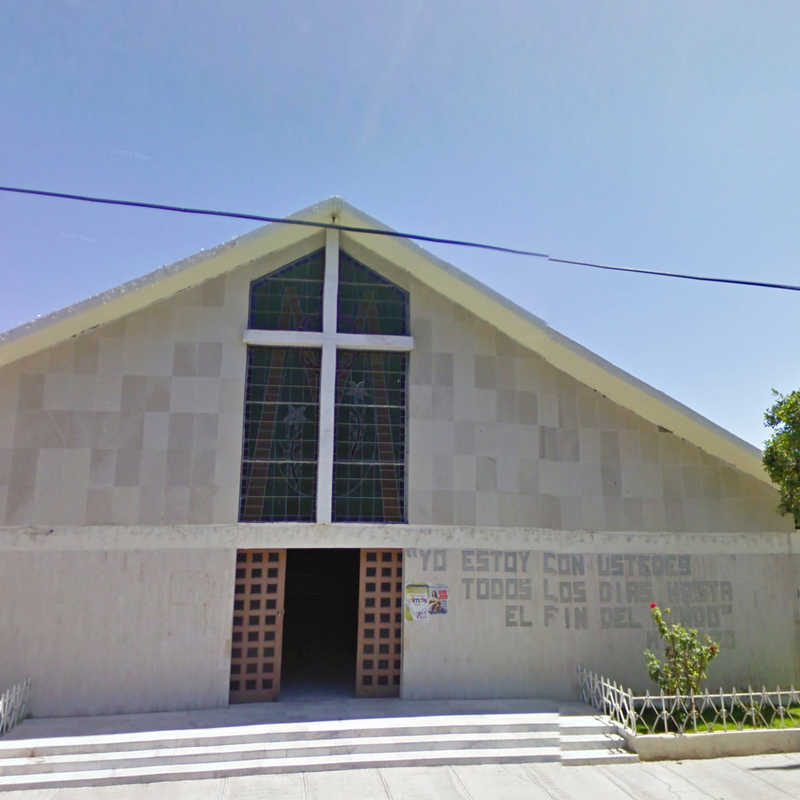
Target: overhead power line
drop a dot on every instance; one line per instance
(281, 220)
(395, 234)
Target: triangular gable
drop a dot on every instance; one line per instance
(517, 323)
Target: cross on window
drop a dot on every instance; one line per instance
(325, 354)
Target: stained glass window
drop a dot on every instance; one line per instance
(368, 303)
(289, 299)
(369, 443)
(281, 429)
(281, 477)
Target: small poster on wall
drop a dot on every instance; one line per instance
(425, 600)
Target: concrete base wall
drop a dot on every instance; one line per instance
(130, 619)
(671, 747)
(117, 631)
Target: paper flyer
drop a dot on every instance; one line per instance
(425, 600)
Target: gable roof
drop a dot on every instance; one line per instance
(517, 323)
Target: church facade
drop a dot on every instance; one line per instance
(314, 457)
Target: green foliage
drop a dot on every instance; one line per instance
(782, 451)
(708, 720)
(686, 658)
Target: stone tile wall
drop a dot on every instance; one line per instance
(498, 436)
(140, 422)
(136, 422)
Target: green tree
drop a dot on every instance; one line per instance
(782, 451)
(686, 657)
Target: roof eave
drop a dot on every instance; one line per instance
(66, 323)
(564, 353)
(522, 326)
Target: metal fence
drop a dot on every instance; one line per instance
(706, 711)
(14, 705)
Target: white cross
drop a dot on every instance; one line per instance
(328, 340)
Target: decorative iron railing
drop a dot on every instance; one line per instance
(706, 711)
(14, 705)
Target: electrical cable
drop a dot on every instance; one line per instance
(279, 220)
(390, 233)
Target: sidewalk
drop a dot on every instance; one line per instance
(746, 778)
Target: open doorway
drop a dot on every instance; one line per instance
(320, 623)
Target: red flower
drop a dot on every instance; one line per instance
(653, 605)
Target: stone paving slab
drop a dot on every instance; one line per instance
(419, 783)
(745, 784)
(509, 782)
(344, 785)
(779, 771)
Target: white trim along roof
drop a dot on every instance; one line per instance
(514, 321)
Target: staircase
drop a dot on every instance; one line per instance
(590, 739)
(213, 752)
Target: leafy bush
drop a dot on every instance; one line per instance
(686, 657)
(782, 451)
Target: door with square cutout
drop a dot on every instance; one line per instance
(380, 623)
(258, 612)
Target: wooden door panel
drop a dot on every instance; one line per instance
(257, 625)
(380, 623)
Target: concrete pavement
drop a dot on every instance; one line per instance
(744, 778)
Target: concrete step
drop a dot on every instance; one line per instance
(584, 725)
(579, 758)
(589, 741)
(163, 755)
(278, 749)
(327, 729)
(217, 769)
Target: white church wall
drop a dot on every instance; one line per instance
(522, 614)
(137, 618)
(497, 436)
(140, 422)
(113, 631)
(120, 463)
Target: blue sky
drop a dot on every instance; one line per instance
(644, 133)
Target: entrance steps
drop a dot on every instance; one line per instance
(591, 739)
(213, 752)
